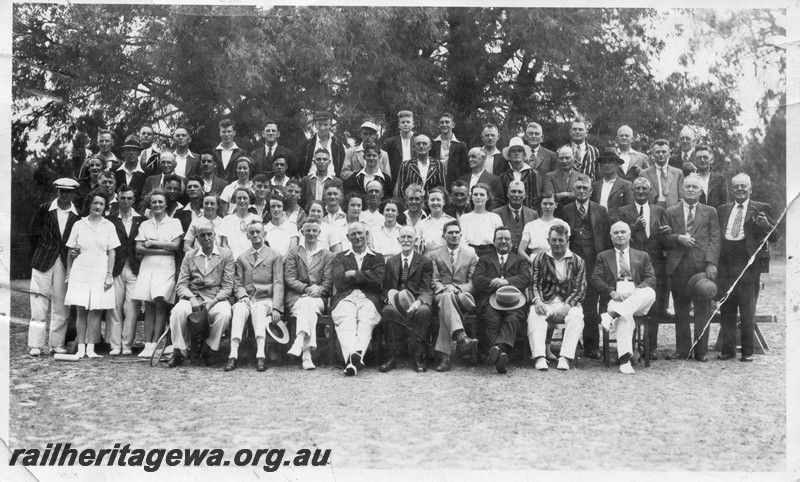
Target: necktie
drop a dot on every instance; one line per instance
(269, 155)
(452, 259)
(502, 263)
(516, 215)
(404, 274)
(624, 269)
(255, 255)
(690, 219)
(664, 181)
(737, 222)
(582, 210)
(641, 211)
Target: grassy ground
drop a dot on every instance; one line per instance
(672, 416)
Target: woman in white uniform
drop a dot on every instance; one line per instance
(89, 281)
(281, 234)
(234, 226)
(478, 226)
(430, 228)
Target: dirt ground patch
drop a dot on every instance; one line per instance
(671, 416)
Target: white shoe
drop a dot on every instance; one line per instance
(168, 350)
(147, 352)
(297, 347)
(60, 350)
(563, 363)
(606, 320)
(126, 352)
(307, 363)
(627, 368)
(81, 353)
(541, 364)
(90, 351)
(115, 352)
(34, 352)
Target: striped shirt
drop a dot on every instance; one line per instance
(547, 285)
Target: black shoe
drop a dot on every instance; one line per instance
(726, 356)
(177, 359)
(677, 356)
(501, 363)
(230, 366)
(746, 358)
(350, 370)
(594, 354)
(494, 354)
(466, 343)
(701, 357)
(355, 359)
(653, 357)
(388, 365)
(261, 364)
(444, 364)
(419, 363)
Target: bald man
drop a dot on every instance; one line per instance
(683, 159)
(633, 160)
(421, 169)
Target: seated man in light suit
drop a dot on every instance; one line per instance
(557, 288)
(355, 308)
(308, 275)
(453, 266)
(259, 294)
(626, 276)
(206, 278)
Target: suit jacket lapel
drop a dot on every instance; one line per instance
(315, 260)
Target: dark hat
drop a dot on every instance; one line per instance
(465, 303)
(132, 141)
(401, 300)
(199, 317)
(322, 115)
(507, 298)
(609, 155)
(700, 288)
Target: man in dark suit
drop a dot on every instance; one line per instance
(715, 190)
(744, 224)
(585, 154)
(323, 139)
(355, 308)
(633, 161)
(560, 182)
(167, 165)
(588, 222)
(410, 271)
(611, 191)
(211, 182)
(400, 148)
(148, 157)
(683, 160)
(121, 326)
(648, 225)
(105, 144)
(186, 161)
(312, 187)
(692, 247)
(514, 214)
(130, 173)
(627, 277)
(227, 152)
(543, 160)
(666, 181)
(263, 156)
(477, 163)
(47, 236)
(496, 270)
(517, 153)
(459, 194)
(451, 152)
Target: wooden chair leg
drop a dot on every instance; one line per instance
(606, 336)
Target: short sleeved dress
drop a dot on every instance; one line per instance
(85, 287)
(157, 273)
(234, 229)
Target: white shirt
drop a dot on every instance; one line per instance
(226, 153)
(384, 240)
(360, 257)
(280, 237)
(406, 259)
(489, 166)
(371, 218)
(180, 164)
(200, 253)
(371, 177)
(319, 191)
(129, 174)
(62, 214)
(560, 264)
(661, 189)
(406, 143)
(339, 219)
(310, 254)
(579, 149)
(423, 169)
(444, 151)
(327, 146)
(626, 157)
(705, 180)
(473, 179)
(128, 222)
(503, 258)
(518, 174)
(329, 237)
(605, 191)
(190, 232)
(729, 230)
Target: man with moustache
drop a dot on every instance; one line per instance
(715, 187)
(459, 195)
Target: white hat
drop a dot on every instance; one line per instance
(370, 125)
(66, 183)
(516, 141)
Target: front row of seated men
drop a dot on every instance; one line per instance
(404, 291)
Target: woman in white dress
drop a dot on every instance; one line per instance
(535, 233)
(353, 206)
(430, 228)
(233, 229)
(89, 265)
(158, 240)
(384, 239)
(478, 226)
(261, 189)
(281, 235)
(243, 170)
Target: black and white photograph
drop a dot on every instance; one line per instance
(391, 242)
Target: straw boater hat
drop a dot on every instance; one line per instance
(700, 288)
(516, 142)
(401, 300)
(507, 298)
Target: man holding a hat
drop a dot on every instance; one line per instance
(453, 267)
(355, 308)
(48, 234)
(130, 173)
(354, 157)
(627, 277)
(557, 288)
(205, 283)
(693, 247)
(499, 284)
(518, 153)
(407, 298)
(259, 295)
(323, 139)
(612, 192)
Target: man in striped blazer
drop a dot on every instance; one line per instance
(585, 154)
(422, 169)
(558, 285)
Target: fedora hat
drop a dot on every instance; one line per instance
(401, 300)
(283, 338)
(198, 321)
(322, 115)
(507, 298)
(464, 303)
(132, 141)
(700, 288)
(516, 141)
(610, 155)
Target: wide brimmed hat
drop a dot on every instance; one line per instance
(464, 303)
(283, 337)
(401, 300)
(507, 298)
(66, 183)
(516, 142)
(609, 155)
(322, 115)
(700, 288)
(132, 141)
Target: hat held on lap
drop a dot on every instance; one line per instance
(283, 338)
(700, 288)
(507, 298)
(401, 300)
(464, 303)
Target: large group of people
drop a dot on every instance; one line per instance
(412, 235)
